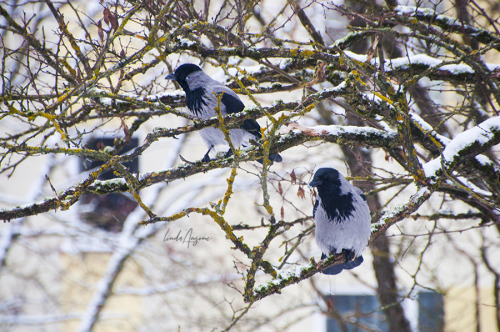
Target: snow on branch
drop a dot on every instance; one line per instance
(468, 144)
(448, 23)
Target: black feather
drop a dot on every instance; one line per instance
(183, 71)
(348, 265)
(235, 105)
(252, 127)
(332, 270)
(316, 204)
(232, 103)
(354, 263)
(194, 100)
(337, 206)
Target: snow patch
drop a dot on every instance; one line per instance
(480, 134)
(294, 272)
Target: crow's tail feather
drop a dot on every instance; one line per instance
(273, 158)
(333, 270)
(354, 263)
(336, 269)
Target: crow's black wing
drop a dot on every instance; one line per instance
(316, 204)
(233, 104)
(194, 100)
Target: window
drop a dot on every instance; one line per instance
(356, 313)
(107, 212)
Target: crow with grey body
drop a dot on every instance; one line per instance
(202, 100)
(342, 219)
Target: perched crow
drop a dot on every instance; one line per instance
(201, 98)
(342, 218)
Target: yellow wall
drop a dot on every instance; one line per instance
(460, 310)
(82, 276)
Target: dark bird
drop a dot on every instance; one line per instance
(342, 219)
(201, 98)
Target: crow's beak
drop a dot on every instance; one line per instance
(314, 183)
(170, 77)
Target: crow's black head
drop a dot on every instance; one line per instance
(326, 177)
(182, 72)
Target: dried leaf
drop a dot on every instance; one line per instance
(301, 193)
(293, 177)
(280, 189)
(106, 13)
(126, 130)
(100, 31)
(114, 22)
(110, 19)
(282, 213)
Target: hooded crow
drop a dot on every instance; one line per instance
(342, 219)
(201, 98)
